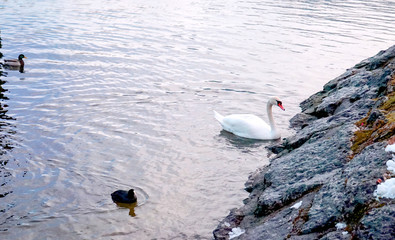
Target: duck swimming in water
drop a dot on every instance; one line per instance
(122, 196)
(15, 62)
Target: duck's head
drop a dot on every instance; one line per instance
(131, 193)
(276, 101)
(21, 56)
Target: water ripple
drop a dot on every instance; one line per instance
(120, 95)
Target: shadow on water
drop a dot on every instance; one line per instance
(6, 130)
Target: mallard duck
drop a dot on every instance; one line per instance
(15, 62)
(122, 196)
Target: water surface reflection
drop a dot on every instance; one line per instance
(118, 94)
(7, 130)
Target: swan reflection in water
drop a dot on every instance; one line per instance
(246, 145)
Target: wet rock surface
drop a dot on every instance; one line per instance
(330, 165)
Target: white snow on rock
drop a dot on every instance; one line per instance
(297, 205)
(236, 232)
(386, 189)
(390, 148)
(391, 166)
(341, 225)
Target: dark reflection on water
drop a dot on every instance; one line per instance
(21, 69)
(6, 131)
(130, 206)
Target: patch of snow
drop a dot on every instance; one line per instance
(344, 233)
(227, 224)
(390, 148)
(341, 225)
(236, 232)
(391, 165)
(297, 205)
(386, 189)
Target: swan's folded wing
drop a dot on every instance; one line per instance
(245, 125)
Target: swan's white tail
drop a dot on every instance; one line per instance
(218, 116)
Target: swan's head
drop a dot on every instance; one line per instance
(276, 101)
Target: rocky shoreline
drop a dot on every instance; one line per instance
(321, 183)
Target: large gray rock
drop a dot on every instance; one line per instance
(318, 167)
(378, 224)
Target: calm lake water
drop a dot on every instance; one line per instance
(120, 94)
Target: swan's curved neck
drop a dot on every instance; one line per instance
(270, 116)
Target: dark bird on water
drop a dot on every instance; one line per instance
(122, 196)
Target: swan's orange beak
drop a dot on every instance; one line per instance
(280, 105)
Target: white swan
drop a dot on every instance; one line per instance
(251, 126)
